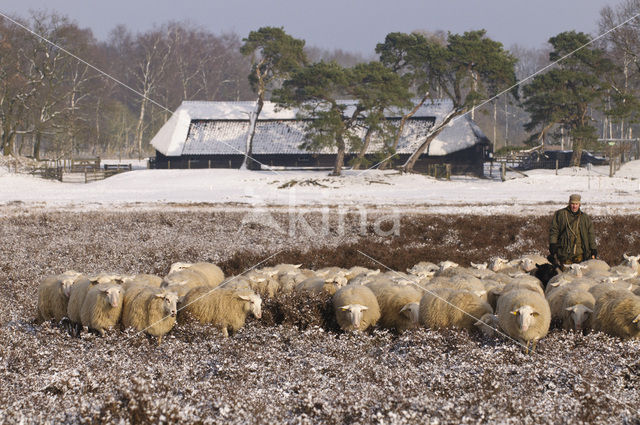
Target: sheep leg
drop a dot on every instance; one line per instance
(225, 332)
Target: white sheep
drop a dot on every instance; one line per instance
(497, 263)
(78, 294)
(227, 309)
(461, 282)
(489, 325)
(152, 310)
(316, 285)
(102, 307)
(632, 261)
(182, 280)
(528, 284)
(595, 266)
(618, 314)
(53, 295)
(602, 290)
(447, 308)
(423, 269)
(356, 307)
(399, 307)
(577, 309)
(149, 280)
(525, 316)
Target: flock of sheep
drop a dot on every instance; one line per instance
(519, 299)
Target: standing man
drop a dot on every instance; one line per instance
(571, 236)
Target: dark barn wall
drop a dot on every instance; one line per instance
(197, 161)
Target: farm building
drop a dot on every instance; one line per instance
(216, 134)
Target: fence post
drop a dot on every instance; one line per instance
(503, 171)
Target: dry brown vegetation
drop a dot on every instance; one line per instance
(293, 366)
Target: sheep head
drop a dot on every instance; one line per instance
(444, 265)
(169, 303)
(481, 266)
(497, 264)
(633, 261)
(579, 315)
(410, 312)
(526, 316)
(354, 313)
(114, 295)
(528, 265)
(254, 304)
(488, 324)
(176, 267)
(576, 269)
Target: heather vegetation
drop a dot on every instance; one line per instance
(293, 365)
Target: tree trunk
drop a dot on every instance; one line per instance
(249, 162)
(337, 169)
(403, 121)
(36, 146)
(577, 152)
(138, 141)
(367, 140)
(408, 166)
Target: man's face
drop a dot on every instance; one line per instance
(574, 206)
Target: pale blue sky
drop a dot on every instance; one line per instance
(351, 25)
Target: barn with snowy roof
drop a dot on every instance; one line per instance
(216, 135)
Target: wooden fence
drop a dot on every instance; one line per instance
(83, 170)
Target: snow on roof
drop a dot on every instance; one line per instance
(205, 128)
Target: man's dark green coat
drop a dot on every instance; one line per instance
(562, 238)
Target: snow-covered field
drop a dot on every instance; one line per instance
(293, 366)
(538, 193)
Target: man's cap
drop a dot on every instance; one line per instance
(575, 198)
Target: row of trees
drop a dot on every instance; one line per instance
(63, 93)
(468, 69)
(114, 99)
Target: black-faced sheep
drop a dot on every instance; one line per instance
(102, 307)
(618, 314)
(53, 295)
(449, 308)
(151, 310)
(525, 316)
(356, 307)
(225, 308)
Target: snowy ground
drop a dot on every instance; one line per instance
(538, 193)
(297, 368)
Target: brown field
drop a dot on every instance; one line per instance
(293, 366)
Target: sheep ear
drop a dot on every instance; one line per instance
(637, 319)
(479, 323)
(515, 312)
(625, 256)
(404, 308)
(364, 307)
(344, 308)
(244, 297)
(160, 295)
(572, 308)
